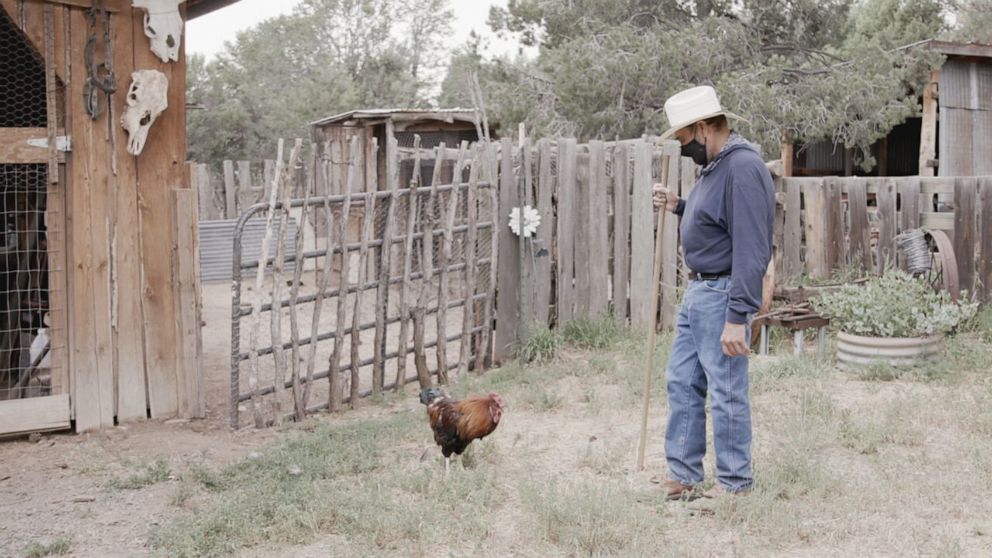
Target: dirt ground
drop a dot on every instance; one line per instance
(847, 464)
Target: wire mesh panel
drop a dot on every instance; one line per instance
(25, 346)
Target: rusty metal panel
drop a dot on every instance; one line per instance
(956, 155)
(982, 142)
(956, 85)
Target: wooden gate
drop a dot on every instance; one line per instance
(34, 390)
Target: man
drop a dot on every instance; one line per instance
(726, 226)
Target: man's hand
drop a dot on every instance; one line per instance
(661, 196)
(734, 340)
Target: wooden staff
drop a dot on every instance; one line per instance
(665, 162)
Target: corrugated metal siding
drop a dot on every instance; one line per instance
(217, 246)
(965, 134)
(824, 156)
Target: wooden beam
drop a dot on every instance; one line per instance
(189, 348)
(788, 154)
(928, 131)
(35, 414)
(15, 149)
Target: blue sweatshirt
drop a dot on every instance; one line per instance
(727, 224)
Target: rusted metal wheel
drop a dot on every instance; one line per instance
(943, 272)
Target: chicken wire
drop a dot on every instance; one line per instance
(30, 233)
(367, 277)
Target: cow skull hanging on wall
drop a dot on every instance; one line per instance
(163, 26)
(147, 97)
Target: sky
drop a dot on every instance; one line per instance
(207, 34)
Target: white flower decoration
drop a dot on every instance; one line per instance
(531, 220)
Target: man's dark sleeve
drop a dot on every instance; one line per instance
(679, 207)
(752, 198)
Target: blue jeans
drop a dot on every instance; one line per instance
(697, 363)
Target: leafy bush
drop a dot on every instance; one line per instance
(894, 305)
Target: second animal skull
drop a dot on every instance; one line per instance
(147, 98)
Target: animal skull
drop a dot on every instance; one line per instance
(146, 99)
(164, 26)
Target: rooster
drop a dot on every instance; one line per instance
(457, 423)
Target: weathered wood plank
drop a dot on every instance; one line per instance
(484, 354)
(336, 392)
(928, 132)
(965, 197)
(599, 241)
(231, 191)
(792, 239)
(985, 235)
(933, 220)
(156, 175)
(567, 217)
(641, 239)
(816, 228)
(189, 349)
(621, 233)
(507, 311)
(14, 149)
(412, 204)
(837, 243)
(859, 252)
(909, 202)
(469, 308)
(545, 233)
(368, 220)
(449, 212)
(886, 199)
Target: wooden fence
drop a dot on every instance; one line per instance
(592, 254)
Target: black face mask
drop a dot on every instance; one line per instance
(695, 150)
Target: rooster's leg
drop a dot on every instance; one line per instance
(447, 465)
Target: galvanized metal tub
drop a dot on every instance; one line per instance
(857, 350)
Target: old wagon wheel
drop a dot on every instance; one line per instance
(943, 272)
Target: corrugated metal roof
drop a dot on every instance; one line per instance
(217, 246)
(445, 115)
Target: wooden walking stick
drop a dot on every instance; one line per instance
(665, 161)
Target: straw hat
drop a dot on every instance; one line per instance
(692, 105)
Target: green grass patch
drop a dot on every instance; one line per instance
(596, 334)
(541, 346)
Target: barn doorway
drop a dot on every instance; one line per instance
(33, 377)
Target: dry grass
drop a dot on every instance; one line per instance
(846, 465)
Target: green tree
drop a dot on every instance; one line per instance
(327, 56)
(827, 69)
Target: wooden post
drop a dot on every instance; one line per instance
(985, 234)
(448, 215)
(336, 395)
(385, 264)
(670, 236)
(788, 153)
(525, 302)
(641, 238)
(284, 176)
(484, 354)
(299, 408)
(263, 258)
(965, 194)
(322, 282)
(621, 232)
(246, 194)
(205, 188)
(928, 130)
(833, 213)
(468, 321)
(816, 230)
(230, 192)
(412, 204)
(368, 222)
(565, 252)
(507, 316)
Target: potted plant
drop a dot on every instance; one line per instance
(896, 319)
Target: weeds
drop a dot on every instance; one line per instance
(542, 346)
(59, 547)
(594, 334)
(151, 473)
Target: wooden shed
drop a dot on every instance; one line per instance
(99, 302)
(373, 126)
